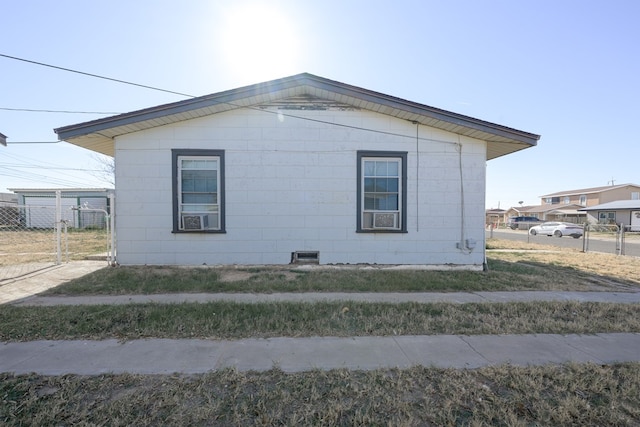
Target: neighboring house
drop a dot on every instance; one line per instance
(564, 213)
(494, 217)
(625, 212)
(8, 199)
(8, 209)
(93, 200)
(568, 206)
(299, 169)
(568, 213)
(521, 211)
(593, 196)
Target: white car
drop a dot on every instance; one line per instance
(557, 229)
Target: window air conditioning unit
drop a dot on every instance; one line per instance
(385, 220)
(195, 222)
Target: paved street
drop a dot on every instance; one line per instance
(596, 243)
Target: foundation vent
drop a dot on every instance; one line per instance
(305, 257)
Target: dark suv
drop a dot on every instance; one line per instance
(515, 221)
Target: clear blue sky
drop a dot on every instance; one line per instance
(567, 70)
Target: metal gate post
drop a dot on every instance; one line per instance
(112, 220)
(58, 219)
(618, 246)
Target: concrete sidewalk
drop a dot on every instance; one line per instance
(46, 278)
(165, 356)
(389, 297)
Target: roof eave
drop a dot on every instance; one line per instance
(97, 135)
(588, 190)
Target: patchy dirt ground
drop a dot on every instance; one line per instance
(229, 275)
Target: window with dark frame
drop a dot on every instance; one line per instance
(198, 191)
(382, 189)
(606, 217)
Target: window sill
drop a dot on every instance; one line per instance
(198, 231)
(382, 231)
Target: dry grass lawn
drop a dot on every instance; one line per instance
(39, 245)
(603, 267)
(512, 270)
(227, 320)
(569, 395)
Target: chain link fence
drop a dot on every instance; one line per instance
(25, 249)
(617, 239)
(614, 234)
(33, 237)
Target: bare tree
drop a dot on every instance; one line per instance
(106, 168)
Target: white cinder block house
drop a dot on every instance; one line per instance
(300, 168)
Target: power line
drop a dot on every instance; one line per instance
(23, 166)
(30, 110)
(50, 179)
(30, 176)
(32, 142)
(94, 75)
(15, 171)
(229, 103)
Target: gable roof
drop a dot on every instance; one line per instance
(566, 210)
(97, 135)
(617, 205)
(524, 209)
(589, 190)
(547, 208)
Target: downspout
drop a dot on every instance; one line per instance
(58, 224)
(112, 220)
(417, 176)
(461, 244)
(466, 246)
(485, 264)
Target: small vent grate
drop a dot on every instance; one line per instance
(305, 257)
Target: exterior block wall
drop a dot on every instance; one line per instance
(291, 185)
